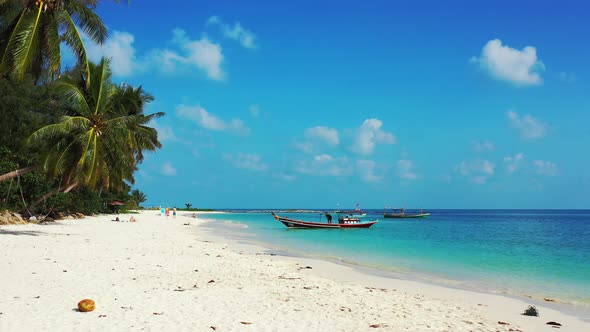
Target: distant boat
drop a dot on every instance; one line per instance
(342, 222)
(401, 213)
(351, 213)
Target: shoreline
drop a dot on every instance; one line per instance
(160, 273)
(571, 306)
(579, 311)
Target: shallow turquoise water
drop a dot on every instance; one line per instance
(539, 253)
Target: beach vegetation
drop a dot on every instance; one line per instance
(64, 133)
(33, 33)
(531, 311)
(138, 197)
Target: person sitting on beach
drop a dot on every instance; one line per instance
(194, 215)
(133, 219)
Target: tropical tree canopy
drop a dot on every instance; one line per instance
(138, 197)
(32, 32)
(102, 138)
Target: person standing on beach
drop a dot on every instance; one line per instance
(167, 212)
(174, 213)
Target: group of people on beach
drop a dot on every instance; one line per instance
(131, 219)
(166, 212)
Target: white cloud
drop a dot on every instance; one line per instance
(284, 176)
(366, 169)
(325, 165)
(483, 146)
(118, 48)
(165, 133)
(568, 77)
(168, 169)
(254, 110)
(236, 32)
(509, 64)
(369, 135)
(324, 134)
(186, 55)
(317, 138)
(545, 167)
(191, 53)
(529, 127)
(406, 171)
(305, 147)
(513, 162)
(247, 161)
(209, 121)
(478, 171)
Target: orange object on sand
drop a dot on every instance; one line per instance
(86, 305)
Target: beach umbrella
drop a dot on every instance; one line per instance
(116, 204)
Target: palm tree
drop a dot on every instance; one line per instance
(188, 206)
(138, 197)
(31, 33)
(100, 141)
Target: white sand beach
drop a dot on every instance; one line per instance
(160, 274)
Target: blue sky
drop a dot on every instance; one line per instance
(387, 103)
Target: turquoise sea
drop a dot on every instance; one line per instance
(535, 253)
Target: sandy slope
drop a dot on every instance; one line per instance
(161, 274)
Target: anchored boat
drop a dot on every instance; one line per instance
(401, 213)
(342, 222)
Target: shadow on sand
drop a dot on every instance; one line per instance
(23, 232)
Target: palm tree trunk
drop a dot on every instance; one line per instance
(18, 172)
(65, 188)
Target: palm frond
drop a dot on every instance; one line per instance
(87, 19)
(25, 43)
(72, 37)
(52, 41)
(69, 90)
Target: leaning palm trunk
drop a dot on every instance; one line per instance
(65, 189)
(18, 172)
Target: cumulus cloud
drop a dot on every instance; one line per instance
(406, 171)
(520, 67)
(168, 169)
(284, 176)
(188, 54)
(119, 49)
(317, 138)
(528, 127)
(236, 32)
(247, 161)
(324, 134)
(545, 167)
(324, 165)
(366, 169)
(165, 133)
(369, 135)
(512, 163)
(209, 121)
(478, 171)
(483, 146)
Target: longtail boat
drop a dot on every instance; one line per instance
(401, 213)
(342, 222)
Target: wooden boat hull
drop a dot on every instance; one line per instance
(400, 215)
(293, 223)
